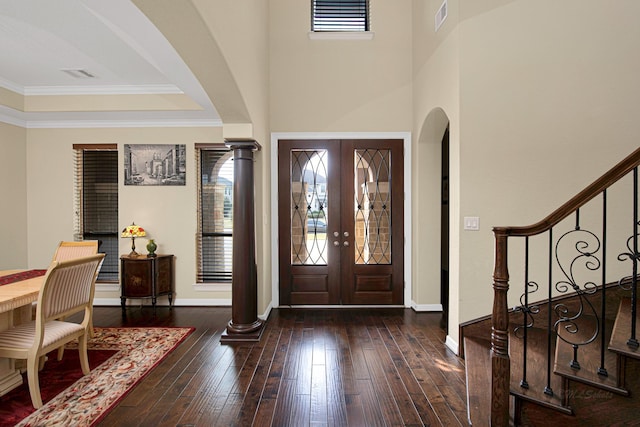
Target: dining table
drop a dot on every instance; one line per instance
(18, 290)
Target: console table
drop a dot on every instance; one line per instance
(143, 277)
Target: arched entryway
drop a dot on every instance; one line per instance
(433, 203)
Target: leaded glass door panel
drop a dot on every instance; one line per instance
(340, 222)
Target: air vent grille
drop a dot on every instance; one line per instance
(441, 15)
(79, 73)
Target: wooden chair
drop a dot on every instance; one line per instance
(67, 250)
(68, 288)
(70, 250)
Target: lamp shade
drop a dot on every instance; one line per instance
(133, 230)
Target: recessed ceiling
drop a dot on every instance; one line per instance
(92, 47)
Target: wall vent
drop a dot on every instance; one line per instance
(441, 14)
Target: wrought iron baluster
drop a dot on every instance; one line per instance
(547, 389)
(523, 382)
(572, 323)
(633, 341)
(603, 308)
(574, 360)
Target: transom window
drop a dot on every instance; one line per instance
(339, 15)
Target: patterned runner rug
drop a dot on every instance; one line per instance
(119, 359)
(23, 275)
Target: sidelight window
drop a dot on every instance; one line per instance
(215, 213)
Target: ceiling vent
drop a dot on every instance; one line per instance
(79, 74)
(441, 14)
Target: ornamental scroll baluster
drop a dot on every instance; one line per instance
(630, 283)
(572, 322)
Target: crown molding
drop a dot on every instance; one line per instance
(105, 120)
(12, 121)
(13, 87)
(159, 89)
(149, 123)
(103, 90)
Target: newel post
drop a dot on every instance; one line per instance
(500, 363)
(244, 324)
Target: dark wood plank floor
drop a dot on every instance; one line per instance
(347, 367)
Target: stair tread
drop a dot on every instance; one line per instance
(622, 330)
(536, 378)
(478, 372)
(588, 358)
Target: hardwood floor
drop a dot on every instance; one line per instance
(347, 367)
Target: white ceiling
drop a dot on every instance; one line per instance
(109, 39)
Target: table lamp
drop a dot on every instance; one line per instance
(133, 231)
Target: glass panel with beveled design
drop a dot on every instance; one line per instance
(309, 207)
(372, 206)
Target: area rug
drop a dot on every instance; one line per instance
(119, 358)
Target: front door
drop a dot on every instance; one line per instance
(340, 222)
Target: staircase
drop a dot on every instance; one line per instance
(566, 352)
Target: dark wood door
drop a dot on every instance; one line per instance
(340, 222)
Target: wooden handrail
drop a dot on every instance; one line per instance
(500, 361)
(579, 200)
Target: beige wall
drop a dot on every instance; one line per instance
(11, 99)
(548, 101)
(340, 85)
(167, 213)
(225, 44)
(539, 95)
(435, 104)
(543, 103)
(13, 193)
(241, 30)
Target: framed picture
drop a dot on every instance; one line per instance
(154, 164)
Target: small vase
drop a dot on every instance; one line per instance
(151, 247)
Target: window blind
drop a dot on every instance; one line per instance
(215, 213)
(339, 15)
(96, 202)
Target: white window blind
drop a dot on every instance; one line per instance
(339, 15)
(96, 202)
(215, 213)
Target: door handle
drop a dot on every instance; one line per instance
(336, 234)
(346, 234)
(346, 243)
(336, 243)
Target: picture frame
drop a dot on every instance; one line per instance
(155, 164)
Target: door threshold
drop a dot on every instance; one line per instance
(342, 306)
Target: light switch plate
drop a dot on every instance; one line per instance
(472, 223)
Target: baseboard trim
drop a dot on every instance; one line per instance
(426, 307)
(452, 345)
(162, 301)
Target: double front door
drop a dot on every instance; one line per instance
(340, 221)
